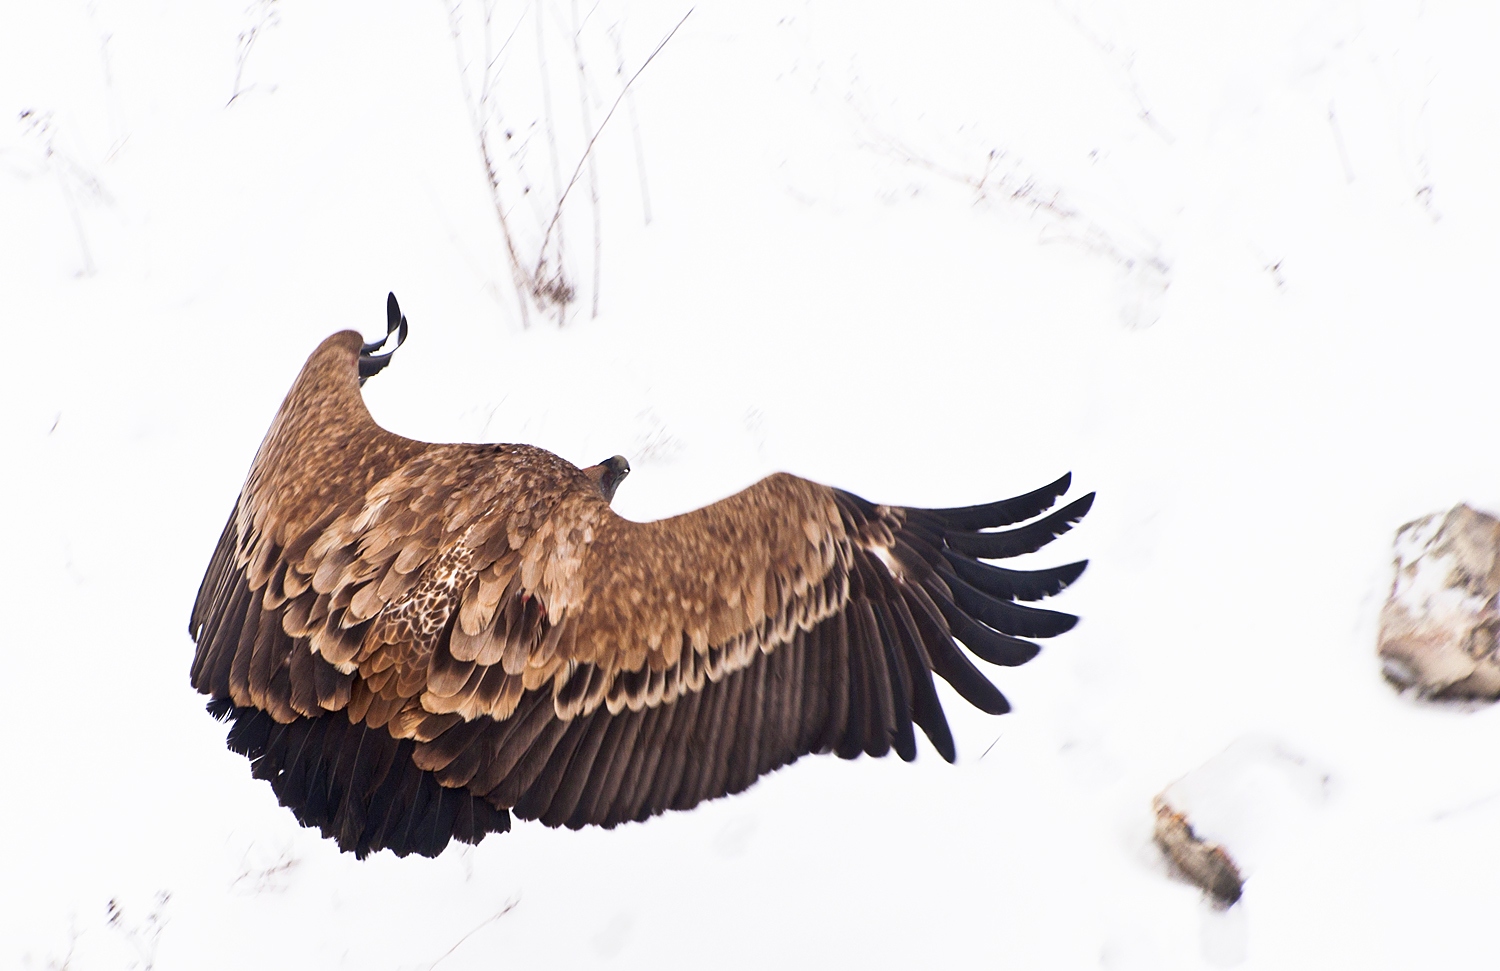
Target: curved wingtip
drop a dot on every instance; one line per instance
(1005, 512)
(1015, 542)
(371, 363)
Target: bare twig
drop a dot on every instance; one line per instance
(1338, 141)
(112, 95)
(1466, 807)
(608, 115)
(1016, 187)
(1126, 65)
(66, 963)
(509, 906)
(264, 879)
(1145, 270)
(557, 286)
(635, 125)
(145, 936)
(264, 12)
(71, 177)
(583, 108)
(481, 128)
(541, 264)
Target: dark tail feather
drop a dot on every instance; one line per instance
(356, 784)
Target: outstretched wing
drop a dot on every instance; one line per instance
(698, 653)
(414, 640)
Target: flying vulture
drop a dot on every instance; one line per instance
(416, 641)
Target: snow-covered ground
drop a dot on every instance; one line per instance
(1235, 267)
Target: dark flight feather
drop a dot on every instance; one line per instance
(1015, 542)
(1013, 584)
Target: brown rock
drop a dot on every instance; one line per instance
(1438, 628)
(1206, 865)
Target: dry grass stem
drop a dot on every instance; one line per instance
(541, 263)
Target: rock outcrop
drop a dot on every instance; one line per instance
(1438, 628)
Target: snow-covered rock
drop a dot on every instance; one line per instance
(1207, 865)
(1220, 821)
(1438, 629)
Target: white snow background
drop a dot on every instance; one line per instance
(1233, 265)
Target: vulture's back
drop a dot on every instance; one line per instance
(414, 641)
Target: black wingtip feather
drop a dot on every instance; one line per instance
(987, 644)
(995, 647)
(1005, 511)
(371, 363)
(1025, 539)
(939, 734)
(1014, 584)
(954, 667)
(1009, 617)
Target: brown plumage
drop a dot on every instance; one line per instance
(415, 640)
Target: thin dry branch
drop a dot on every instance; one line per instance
(143, 936)
(557, 214)
(1144, 263)
(635, 125)
(1126, 65)
(554, 286)
(541, 265)
(266, 17)
(509, 906)
(71, 176)
(583, 108)
(1338, 142)
(481, 129)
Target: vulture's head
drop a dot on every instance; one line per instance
(371, 363)
(608, 475)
